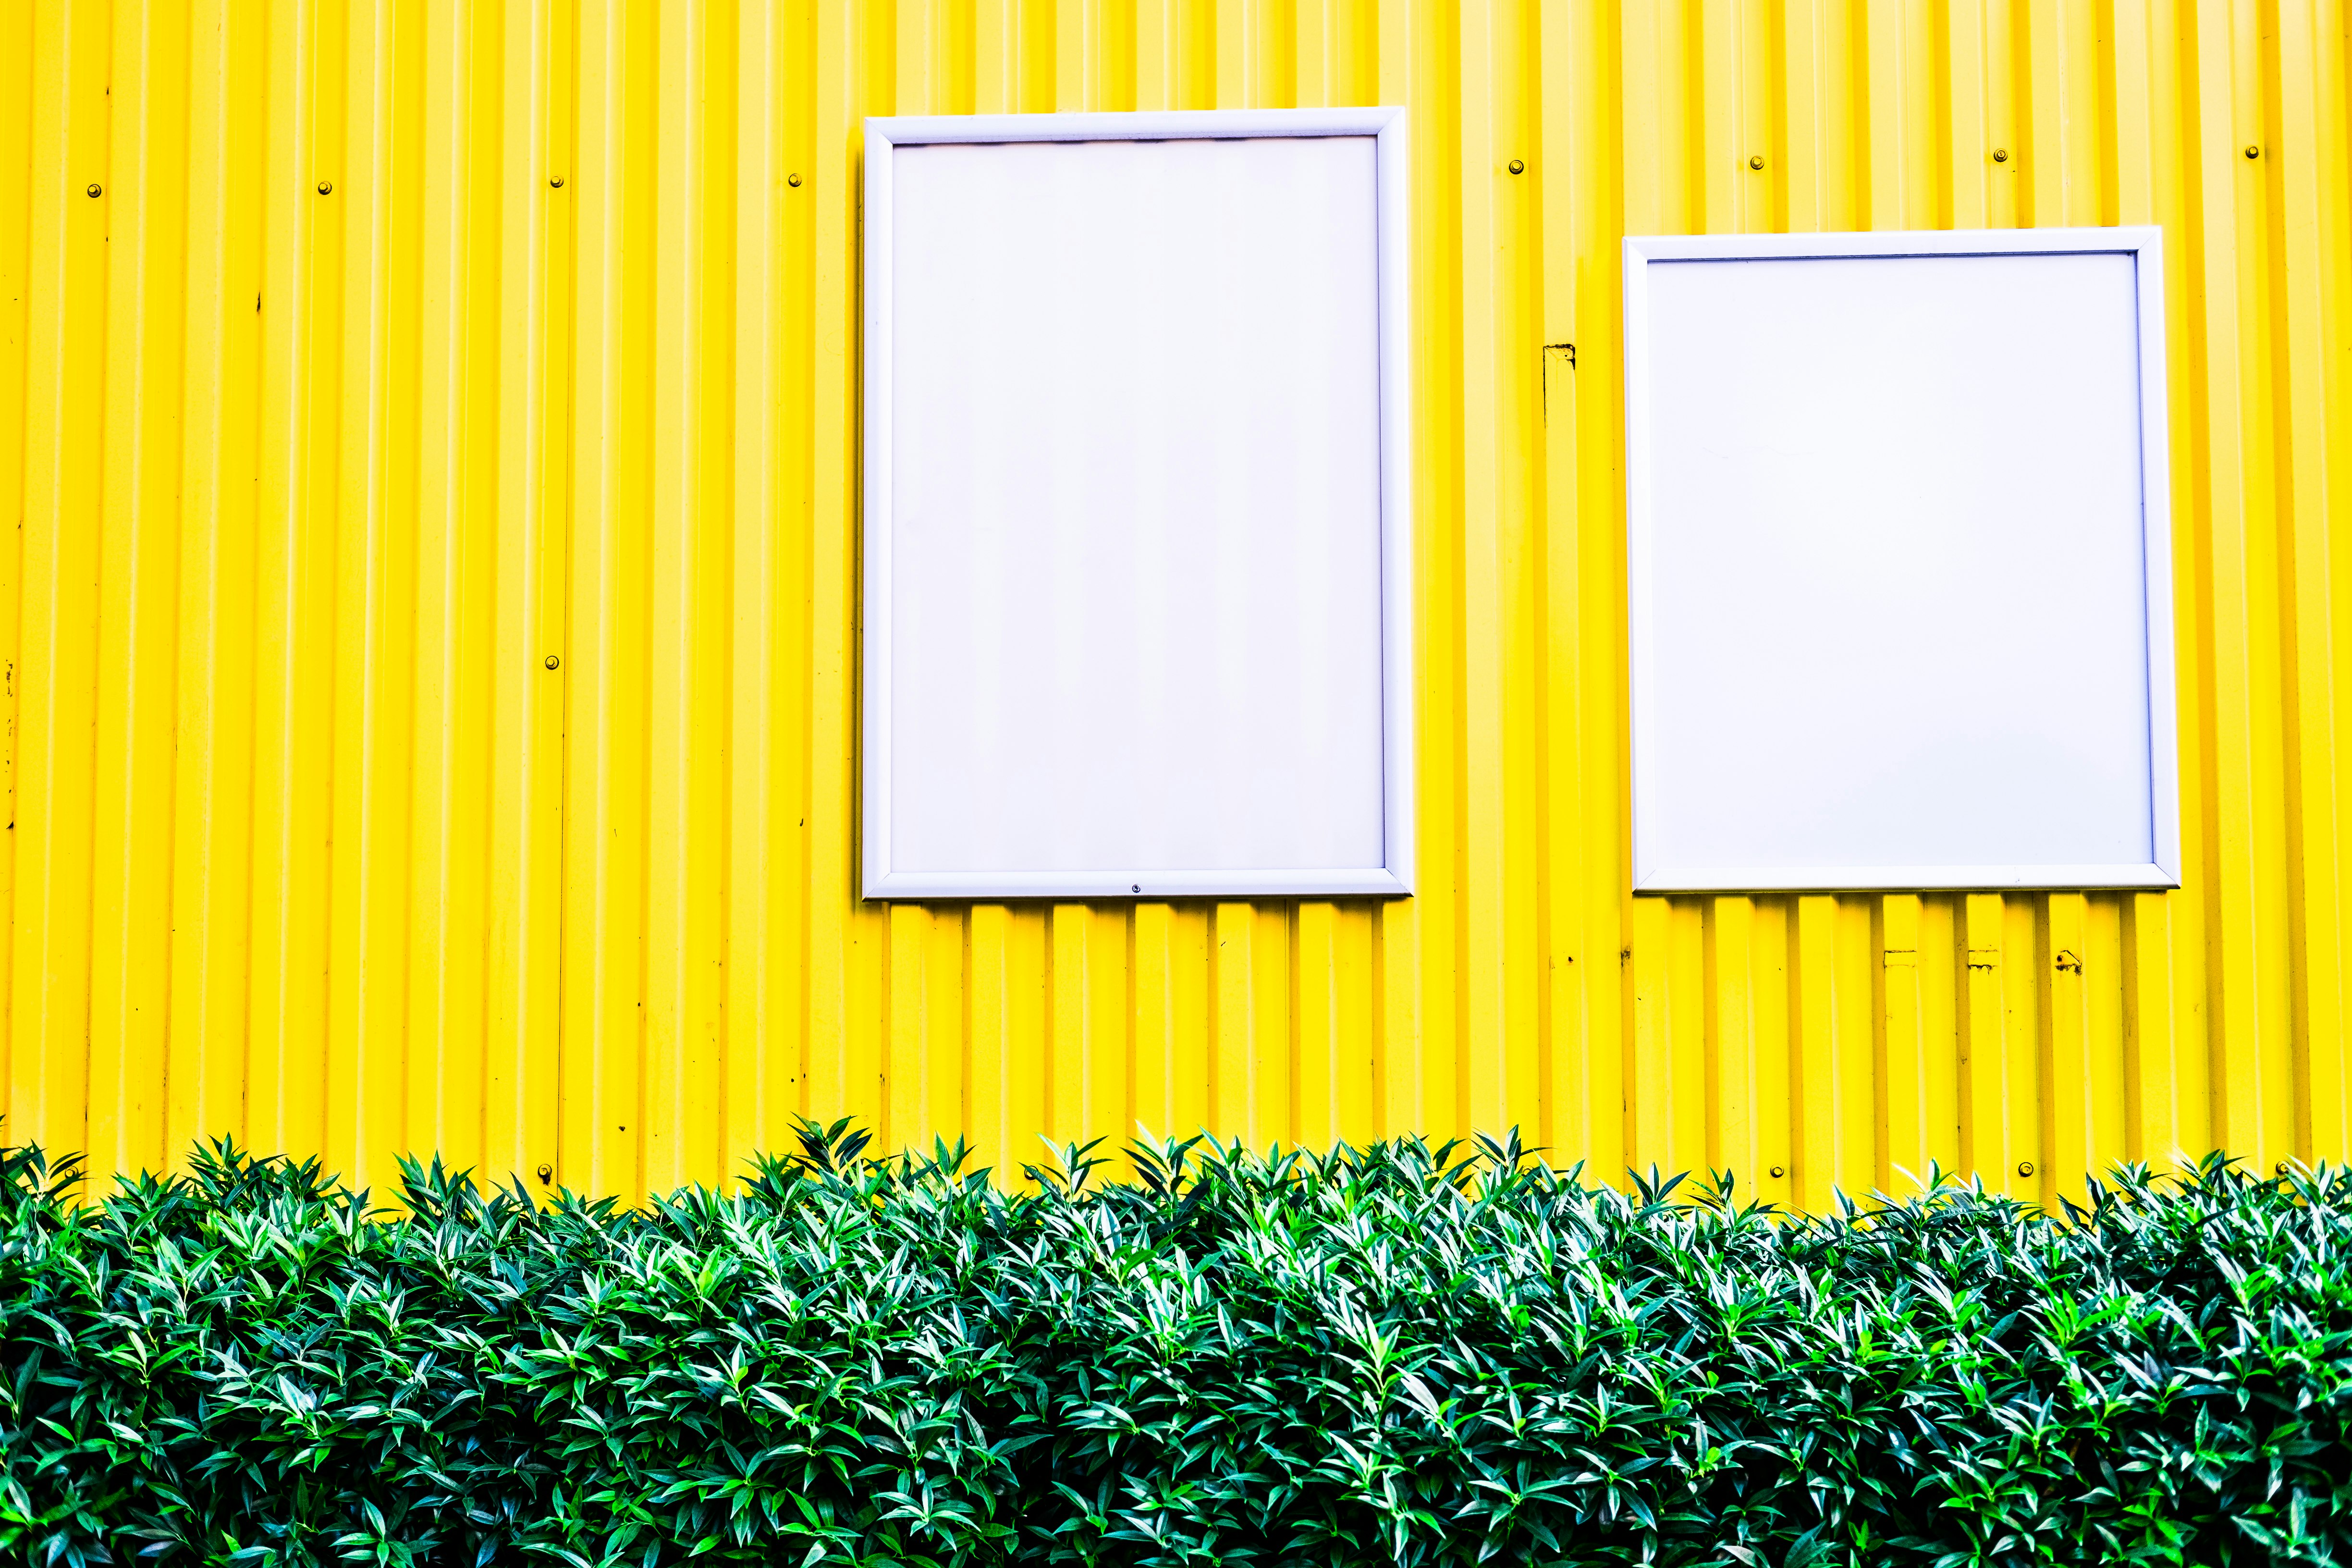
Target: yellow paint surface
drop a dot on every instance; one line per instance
(428, 609)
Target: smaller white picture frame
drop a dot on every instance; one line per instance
(1883, 491)
(1026, 829)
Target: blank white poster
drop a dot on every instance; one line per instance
(1135, 575)
(1891, 590)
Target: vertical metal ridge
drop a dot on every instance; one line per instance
(212, 808)
(140, 525)
(22, 67)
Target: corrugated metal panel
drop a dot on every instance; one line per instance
(331, 418)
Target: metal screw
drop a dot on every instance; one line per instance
(2253, 151)
(1756, 160)
(1778, 1171)
(1136, 889)
(547, 1172)
(552, 661)
(792, 180)
(2025, 1167)
(2000, 155)
(326, 187)
(2279, 1169)
(1518, 167)
(97, 190)
(556, 181)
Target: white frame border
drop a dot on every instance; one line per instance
(2145, 246)
(1394, 877)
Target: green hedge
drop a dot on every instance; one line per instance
(1398, 1355)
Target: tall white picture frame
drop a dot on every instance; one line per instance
(1899, 562)
(1136, 529)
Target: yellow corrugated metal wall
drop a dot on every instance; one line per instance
(360, 359)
